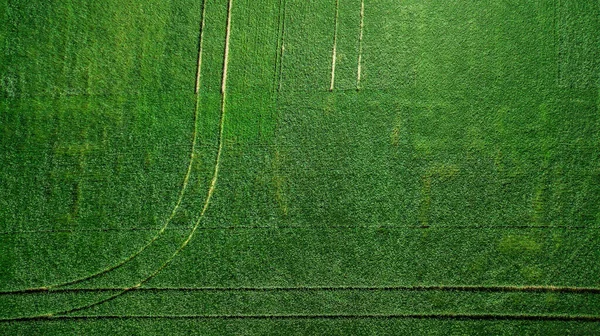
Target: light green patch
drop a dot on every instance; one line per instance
(75, 149)
(519, 244)
(532, 273)
(440, 173)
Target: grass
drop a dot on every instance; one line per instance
(293, 167)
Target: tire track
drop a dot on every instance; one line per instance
(334, 51)
(413, 316)
(360, 44)
(199, 67)
(314, 227)
(424, 288)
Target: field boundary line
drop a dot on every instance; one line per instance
(423, 288)
(421, 316)
(313, 227)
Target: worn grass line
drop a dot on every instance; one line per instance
(277, 47)
(441, 288)
(415, 316)
(282, 51)
(334, 51)
(360, 44)
(210, 192)
(226, 58)
(313, 227)
(23, 232)
(199, 67)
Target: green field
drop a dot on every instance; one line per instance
(339, 167)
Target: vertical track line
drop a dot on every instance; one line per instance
(360, 44)
(282, 52)
(277, 46)
(200, 47)
(334, 51)
(226, 56)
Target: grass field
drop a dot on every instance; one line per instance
(340, 167)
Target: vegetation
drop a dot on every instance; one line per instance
(299, 167)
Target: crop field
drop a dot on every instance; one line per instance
(294, 167)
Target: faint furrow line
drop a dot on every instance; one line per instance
(384, 89)
(420, 316)
(360, 44)
(441, 288)
(334, 51)
(277, 47)
(81, 230)
(199, 67)
(282, 51)
(295, 145)
(313, 227)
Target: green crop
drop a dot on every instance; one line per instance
(342, 167)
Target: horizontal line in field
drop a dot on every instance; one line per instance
(311, 143)
(242, 88)
(450, 288)
(441, 316)
(266, 227)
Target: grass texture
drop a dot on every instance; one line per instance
(339, 167)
